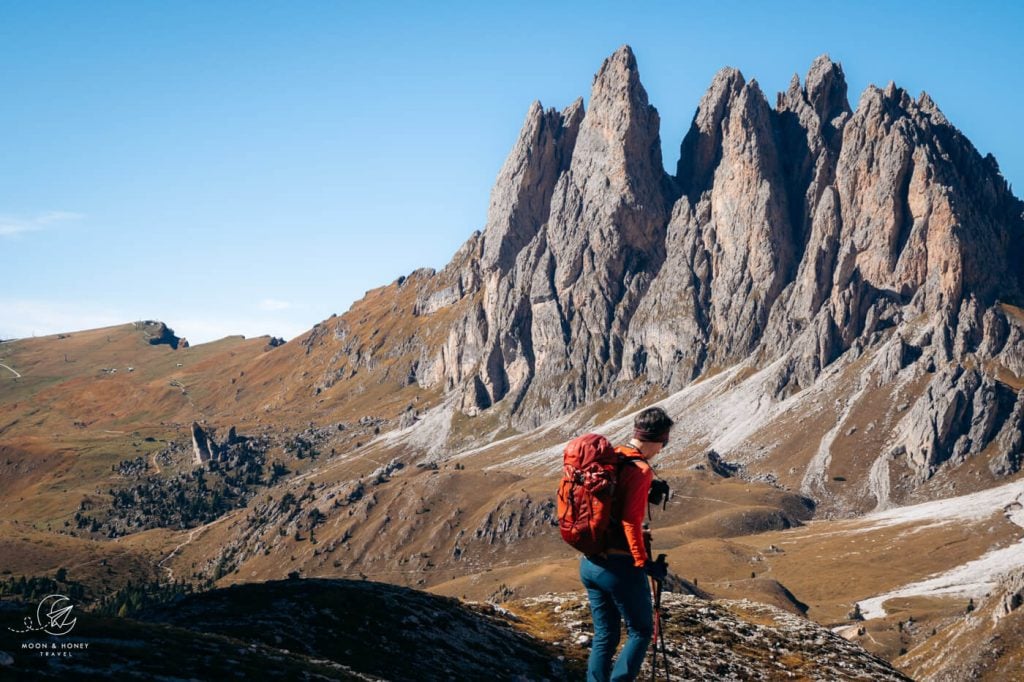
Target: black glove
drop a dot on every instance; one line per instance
(657, 569)
(658, 493)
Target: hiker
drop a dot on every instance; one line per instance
(617, 578)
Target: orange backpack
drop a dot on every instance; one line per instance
(586, 493)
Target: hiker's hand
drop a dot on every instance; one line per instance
(657, 569)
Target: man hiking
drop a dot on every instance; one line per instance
(617, 579)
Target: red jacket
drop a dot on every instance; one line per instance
(634, 484)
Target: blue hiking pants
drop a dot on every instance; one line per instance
(618, 591)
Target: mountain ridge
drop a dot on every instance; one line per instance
(801, 233)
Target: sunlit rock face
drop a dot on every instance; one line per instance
(793, 237)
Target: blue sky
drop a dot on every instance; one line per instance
(254, 167)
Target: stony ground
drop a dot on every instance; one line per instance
(726, 640)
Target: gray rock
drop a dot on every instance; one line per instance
(1011, 442)
(521, 198)
(203, 448)
(1012, 598)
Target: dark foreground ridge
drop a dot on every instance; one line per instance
(294, 629)
(360, 630)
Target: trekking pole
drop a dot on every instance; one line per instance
(659, 631)
(656, 597)
(659, 634)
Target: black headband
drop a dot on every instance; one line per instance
(652, 436)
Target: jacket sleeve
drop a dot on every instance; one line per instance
(638, 485)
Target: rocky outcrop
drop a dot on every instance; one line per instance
(1011, 598)
(235, 449)
(203, 447)
(515, 519)
(719, 466)
(1011, 442)
(158, 333)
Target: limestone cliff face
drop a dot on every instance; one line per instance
(575, 235)
(790, 236)
(605, 237)
(521, 198)
(728, 259)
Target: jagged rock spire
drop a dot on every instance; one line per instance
(614, 192)
(607, 224)
(521, 198)
(701, 148)
(825, 89)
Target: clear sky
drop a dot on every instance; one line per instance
(253, 167)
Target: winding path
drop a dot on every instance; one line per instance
(191, 535)
(16, 375)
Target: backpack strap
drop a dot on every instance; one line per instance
(622, 455)
(625, 459)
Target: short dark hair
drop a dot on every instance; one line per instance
(652, 425)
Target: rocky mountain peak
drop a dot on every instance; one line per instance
(605, 235)
(921, 207)
(619, 79)
(619, 148)
(572, 115)
(825, 88)
(701, 147)
(575, 232)
(521, 198)
(620, 63)
(928, 106)
(617, 84)
(820, 105)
